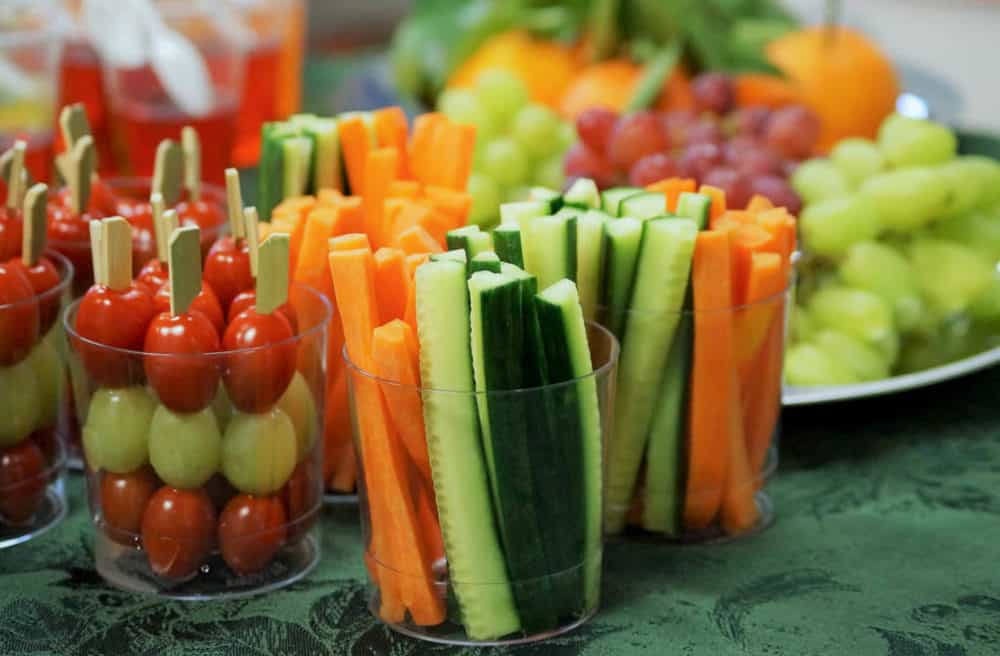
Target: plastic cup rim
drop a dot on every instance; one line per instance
(65, 280)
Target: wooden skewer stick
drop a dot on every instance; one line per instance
(185, 268)
(80, 169)
(159, 207)
(98, 252)
(74, 125)
(251, 229)
(117, 234)
(234, 203)
(272, 283)
(192, 162)
(15, 182)
(34, 216)
(168, 171)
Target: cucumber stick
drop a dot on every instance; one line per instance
(513, 458)
(590, 259)
(550, 196)
(696, 207)
(485, 261)
(567, 357)
(461, 483)
(326, 166)
(623, 239)
(471, 239)
(507, 241)
(657, 299)
(457, 255)
(643, 206)
(297, 156)
(270, 188)
(554, 249)
(611, 199)
(524, 214)
(583, 193)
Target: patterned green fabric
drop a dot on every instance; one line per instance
(886, 542)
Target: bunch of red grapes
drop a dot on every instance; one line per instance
(742, 150)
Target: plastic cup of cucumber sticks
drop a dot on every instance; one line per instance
(480, 437)
(696, 295)
(201, 449)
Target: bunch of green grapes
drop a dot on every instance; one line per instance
(519, 144)
(903, 236)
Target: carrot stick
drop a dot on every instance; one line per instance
(328, 197)
(349, 242)
(391, 132)
(350, 217)
(429, 522)
(355, 142)
(404, 189)
(453, 204)
(672, 188)
(739, 510)
(291, 216)
(718, 201)
(410, 315)
(744, 241)
(380, 171)
(311, 267)
(339, 462)
(391, 283)
(421, 155)
(765, 279)
(454, 144)
(780, 224)
(735, 216)
(417, 240)
(436, 224)
(711, 389)
(759, 204)
(410, 214)
(763, 402)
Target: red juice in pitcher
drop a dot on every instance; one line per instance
(37, 156)
(257, 106)
(81, 80)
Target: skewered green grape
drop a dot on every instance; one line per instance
(116, 434)
(20, 403)
(185, 449)
(297, 402)
(259, 451)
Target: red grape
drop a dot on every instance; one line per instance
(594, 127)
(751, 121)
(705, 130)
(734, 149)
(778, 191)
(713, 92)
(653, 168)
(760, 161)
(699, 159)
(581, 162)
(733, 183)
(634, 137)
(676, 125)
(793, 131)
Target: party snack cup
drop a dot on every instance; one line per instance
(220, 502)
(699, 435)
(478, 584)
(34, 415)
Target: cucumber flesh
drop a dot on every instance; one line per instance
(569, 211)
(507, 241)
(611, 198)
(623, 239)
(461, 483)
(469, 238)
(645, 205)
(554, 251)
(696, 207)
(297, 154)
(657, 299)
(546, 195)
(270, 188)
(326, 153)
(457, 255)
(524, 214)
(590, 259)
(485, 261)
(583, 193)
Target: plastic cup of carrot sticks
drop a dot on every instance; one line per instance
(480, 433)
(200, 433)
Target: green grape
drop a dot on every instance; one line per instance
(965, 188)
(297, 402)
(800, 326)
(831, 226)
(485, 195)
(504, 161)
(516, 194)
(950, 276)
(184, 449)
(853, 312)
(919, 353)
(502, 94)
(915, 142)
(986, 306)
(987, 170)
(116, 435)
(906, 199)
(857, 159)
(222, 407)
(865, 362)
(565, 136)
(535, 129)
(977, 230)
(817, 180)
(550, 173)
(883, 270)
(259, 451)
(462, 106)
(20, 403)
(807, 365)
(45, 362)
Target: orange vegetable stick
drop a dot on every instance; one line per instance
(718, 201)
(763, 402)
(739, 510)
(765, 279)
(404, 189)
(340, 464)
(421, 155)
(672, 188)
(349, 242)
(410, 214)
(291, 215)
(744, 241)
(436, 224)
(410, 315)
(390, 213)
(454, 145)
(780, 224)
(351, 217)
(759, 204)
(417, 240)
(380, 171)
(391, 131)
(454, 204)
(738, 216)
(711, 388)
(311, 267)
(391, 283)
(355, 142)
(328, 197)
(431, 526)
(396, 541)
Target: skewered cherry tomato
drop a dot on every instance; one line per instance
(19, 317)
(178, 530)
(143, 235)
(152, 276)
(11, 231)
(69, 234)
(123, 501)
(256, 379)
(227, 269)
(251, 530)
(113, 318)
(48, 441)
(301, 496)
(204, 214)
(184, 384)
(205, 302)
(103, 199)
(43, 276)
(22, 482)
(246, 300)
(220, 490)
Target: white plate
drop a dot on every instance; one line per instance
(792, 395)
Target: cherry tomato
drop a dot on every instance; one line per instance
(43, 276)
(48, 441)
(301, 496)
(184, 384)
(204, 214)
(246, 300)
(143, 235)
(152, 276)
(220, 490)
(227, 269)
(113, 318)
(251, 530)
(205, 302)
(178, 531)
(19, 316)
(69, 234)
(103, 199)
(22, 482)
(11, 231)
(256, 379)
(123, 501)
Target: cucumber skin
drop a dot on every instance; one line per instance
(479, 264)
(590, 260)
(457, 462)
(619, 277)
(508, 246)
(271, 179)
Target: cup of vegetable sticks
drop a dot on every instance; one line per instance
(200, 433)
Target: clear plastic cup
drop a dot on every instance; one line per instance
(220, 502)
(34, 412)
(146, 112)
(695, 438)
(529, 570)
(29, 58)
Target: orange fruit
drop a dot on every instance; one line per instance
(608, 84)
(840, 75)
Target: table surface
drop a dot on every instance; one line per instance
(886, 542)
